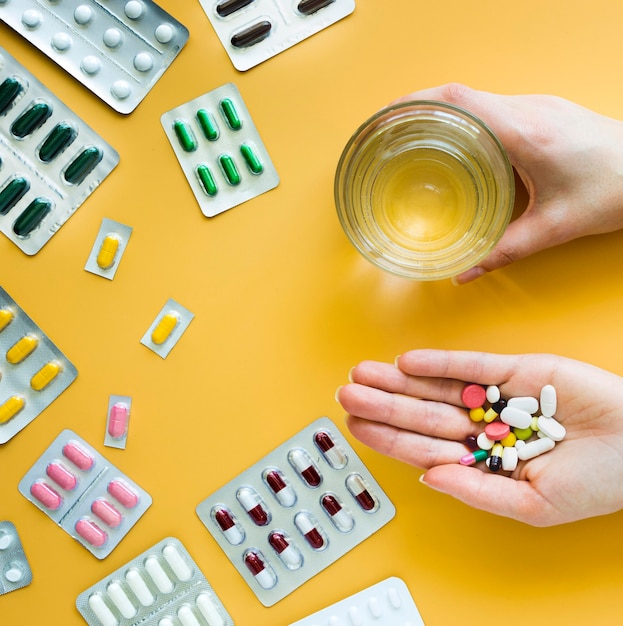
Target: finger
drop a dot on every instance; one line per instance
(434, 419)
(493, 493)
(406, 446)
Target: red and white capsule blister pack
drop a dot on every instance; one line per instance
(86, 495)
(388, 603)
(117, 421)
(252, 31)
(161, 587)
(118, 49)
(33, 371)
(15, 571)
(296, 511)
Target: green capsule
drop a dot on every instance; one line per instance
(12, 194)
(207, 180)
(83, 165)
(229, 169)
(252, 160)
(31, 119)
(60, 137)
(9, 90)
(208, 125)
(185, 135)
(230, 113)
(32, 216)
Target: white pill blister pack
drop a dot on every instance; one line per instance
(161, 587)
(33, 371)
(252, 31)
(15, 571)
(85, 494)
(388, 603)
(296, 511)
(220, 150)
(118, 49)
(50, 160)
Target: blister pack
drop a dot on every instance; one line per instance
(167, 328)
(85, 494)
(50, 160)
(118, 49)
(252, 31)
(33, 371)
(220, 150)
(108, 248)
(14, 566)
(296, 511)
(161, 587)
(388, 603)
(117, 421)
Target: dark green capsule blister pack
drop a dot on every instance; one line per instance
(50, 160)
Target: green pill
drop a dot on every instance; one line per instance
(12, 194)
(229, 169)
(208, 125)
(32, 216)
(185, 135)
(31, 119)
(9, 90)
(251, 159)
(83, 165)
(60, 137)
(230, 113)
(207, 180)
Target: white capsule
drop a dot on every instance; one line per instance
(525, 403)
(165, 621)
(179, 566)
(394, 598)
(158, 575)
(187, 617)
(536, 447)
(139, 588)
(121, 600)
(520, 443)
(493, 393)
(209, 610)
(516, 418)
(509, 458)
(552, 428)
(548, 401)
(101, 611)
(355, 616)
(484, 443)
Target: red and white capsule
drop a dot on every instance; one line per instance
(333, 453)
(305, 467)
(283, 491)
(253, 505)
(341, 517)
(285, 548)
(360, 491)
(311, 530)
(261, 571)
(227, 523)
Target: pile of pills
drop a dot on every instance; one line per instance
(15, 570)
(517, 429)
(296, 511)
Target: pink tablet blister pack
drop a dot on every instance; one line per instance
(87, 496)
(296, 511)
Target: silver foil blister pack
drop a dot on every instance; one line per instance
(15, 571)
(296, 511)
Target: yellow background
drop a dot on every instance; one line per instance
(284, 306)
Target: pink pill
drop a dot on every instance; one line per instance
(78, 456)
(473, 396)
(61, 476)
(123, 493)
(118, 420)
(107, 512)
(497, 430)
(46, 495)
(91, 533)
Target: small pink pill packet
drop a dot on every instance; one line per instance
(117, 421)
(163, 586)
(296, 511)
(15, 571)
(85, 494)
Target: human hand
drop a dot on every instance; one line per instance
(569, 158)
(412, 411)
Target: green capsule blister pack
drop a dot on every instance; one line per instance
(220, 150)
(50, 160)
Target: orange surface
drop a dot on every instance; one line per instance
(284, 306)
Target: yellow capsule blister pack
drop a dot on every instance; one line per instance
(167, 328)
(33, 371)
(108, 248)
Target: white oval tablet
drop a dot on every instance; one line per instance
(548, 401)
(552, 428)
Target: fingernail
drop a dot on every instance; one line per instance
(422, 479)
(468, 276)
(350, 374)
(337, 393)
(396, 360)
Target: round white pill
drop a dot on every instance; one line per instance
(493, 393)
(484, 443)
(31, 18)
(91, 65)
(551, 427)
(112, 37)
(143, 62)
(83, 14)
(134, 9)
(164, 33)
(13, 573)
(121, 89)
(6, 540)
(61, 41)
